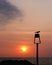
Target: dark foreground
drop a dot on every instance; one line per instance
(15, 62)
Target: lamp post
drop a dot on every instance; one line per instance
(37, 41)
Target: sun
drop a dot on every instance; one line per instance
(24, 49)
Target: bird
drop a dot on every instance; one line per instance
(37, 32)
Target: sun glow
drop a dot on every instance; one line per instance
(24, 49)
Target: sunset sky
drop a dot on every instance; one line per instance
(19, 19)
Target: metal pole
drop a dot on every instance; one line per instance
(36, 53)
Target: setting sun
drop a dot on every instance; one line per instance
(23, 48)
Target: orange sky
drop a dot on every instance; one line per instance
(10, 44)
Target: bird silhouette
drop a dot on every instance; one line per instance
(37, 32)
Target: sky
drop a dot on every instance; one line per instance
(19, 20)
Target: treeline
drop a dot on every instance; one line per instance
(15, 62)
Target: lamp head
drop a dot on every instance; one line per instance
(37, 37)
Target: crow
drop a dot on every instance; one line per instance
(37, 32)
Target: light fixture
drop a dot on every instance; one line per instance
(37, 41)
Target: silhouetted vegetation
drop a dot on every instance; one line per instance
(15, 62)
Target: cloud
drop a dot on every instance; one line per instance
(8, 12)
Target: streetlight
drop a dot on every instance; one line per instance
(37, 41)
